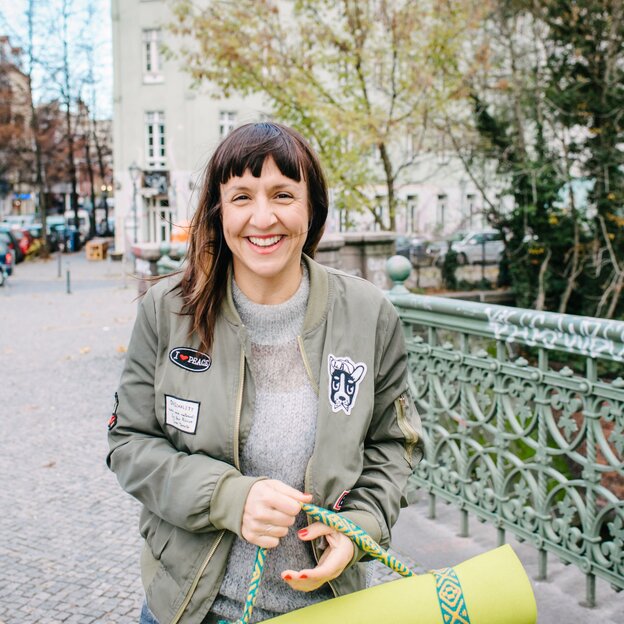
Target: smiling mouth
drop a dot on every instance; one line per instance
(267, 241)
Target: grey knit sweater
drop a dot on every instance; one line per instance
(280, 443)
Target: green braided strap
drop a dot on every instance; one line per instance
(358, 536)
(450, 597)
(254, 586)
(333, 520)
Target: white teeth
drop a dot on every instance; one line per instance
(265, 242)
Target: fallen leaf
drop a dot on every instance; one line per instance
(50, 464)
(84, 350)
(122, 349)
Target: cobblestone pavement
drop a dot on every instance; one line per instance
(69, 548)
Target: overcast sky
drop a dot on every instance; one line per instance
(90, 45)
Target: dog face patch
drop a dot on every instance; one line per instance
(345, 377)
(190, 359)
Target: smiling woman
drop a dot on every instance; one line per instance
(256, 381)
(265, 223)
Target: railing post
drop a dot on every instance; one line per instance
(541, 400)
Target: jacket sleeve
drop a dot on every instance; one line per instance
(393, 445)
(192, 491)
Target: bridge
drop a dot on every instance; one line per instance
(523, 415)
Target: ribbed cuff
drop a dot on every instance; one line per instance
(228, 500)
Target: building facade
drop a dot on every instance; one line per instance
(165, 131)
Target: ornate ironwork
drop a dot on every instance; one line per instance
(523, 427)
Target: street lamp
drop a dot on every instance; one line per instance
(135, 171)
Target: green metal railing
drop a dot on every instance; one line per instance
(523, 416)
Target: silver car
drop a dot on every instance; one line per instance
(478, 246)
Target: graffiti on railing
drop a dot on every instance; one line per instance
(590, 337)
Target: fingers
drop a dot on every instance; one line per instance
(334, 560)
(270, 509)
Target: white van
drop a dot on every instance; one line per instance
(83, 220)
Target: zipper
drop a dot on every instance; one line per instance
(239, 407)
(407, 429)
(314, 550)
(193, 587)
(306, 365)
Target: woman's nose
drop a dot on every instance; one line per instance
(263, 215)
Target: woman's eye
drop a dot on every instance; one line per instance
(284, 196)
(240, 197)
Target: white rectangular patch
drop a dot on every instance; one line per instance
(181, 414)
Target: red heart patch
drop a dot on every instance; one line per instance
(184, 357)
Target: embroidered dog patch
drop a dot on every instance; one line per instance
(345, 377)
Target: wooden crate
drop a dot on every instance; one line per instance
(97, 249)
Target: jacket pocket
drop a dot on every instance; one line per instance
(157, 533)
(403, 409)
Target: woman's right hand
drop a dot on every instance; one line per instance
(270, 509)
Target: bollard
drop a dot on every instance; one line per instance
(68, 274)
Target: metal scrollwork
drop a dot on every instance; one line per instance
(533, 449)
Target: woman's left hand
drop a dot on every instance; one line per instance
(333, 561)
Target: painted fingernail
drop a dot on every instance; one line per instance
(303, 576)
(302, 532)
(287, 577)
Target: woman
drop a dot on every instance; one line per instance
(254, 382)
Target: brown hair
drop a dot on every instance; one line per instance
(204, 283)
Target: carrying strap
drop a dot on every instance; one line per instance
(341, 524)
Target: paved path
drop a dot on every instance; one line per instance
(69, 548)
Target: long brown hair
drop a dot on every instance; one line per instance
(204, 283)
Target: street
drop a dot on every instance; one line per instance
(70, 547)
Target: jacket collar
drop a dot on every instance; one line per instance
(317, 300)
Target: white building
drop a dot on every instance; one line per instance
(165, 131)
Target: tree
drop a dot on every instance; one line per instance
(361, 79)
(547, 116)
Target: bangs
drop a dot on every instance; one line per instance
(248, 147)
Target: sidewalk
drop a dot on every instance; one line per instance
(70, 546)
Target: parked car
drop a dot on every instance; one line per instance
(477, 247)
(24, 239)
(413, 247)
(19, 220)
(418, 251)
(7, 234)
(437, 249)
(7, 261)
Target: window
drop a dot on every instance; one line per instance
(412, 213)
(155, 140)
(471, 209)
(227, 123)
(151, 55)
(441, 209)
(159, 220)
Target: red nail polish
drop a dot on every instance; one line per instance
(302, 532)
(287, 577)
(303, 576)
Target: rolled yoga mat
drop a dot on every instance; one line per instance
(492, 588)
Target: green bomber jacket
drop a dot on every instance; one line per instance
(182, 416)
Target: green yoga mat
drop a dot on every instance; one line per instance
(491, 588)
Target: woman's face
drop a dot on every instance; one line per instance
(265, 224)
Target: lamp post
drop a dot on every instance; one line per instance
(135, 171)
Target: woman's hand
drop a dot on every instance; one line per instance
(269, 511)
(333, 561)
